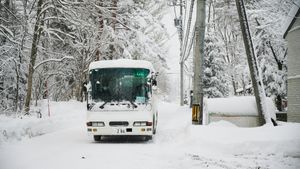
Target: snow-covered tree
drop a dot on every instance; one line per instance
(266, 23)
(223, 22)
(47, 45)
(215, 78)
(13, 49)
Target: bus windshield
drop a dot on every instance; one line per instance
(120, 84)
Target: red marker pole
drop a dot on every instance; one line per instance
(48, 98)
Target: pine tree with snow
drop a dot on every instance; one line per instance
(215, 83)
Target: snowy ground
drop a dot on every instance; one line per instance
(178, 144)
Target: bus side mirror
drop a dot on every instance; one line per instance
(84, 87)
(154, 82)
(154, 85)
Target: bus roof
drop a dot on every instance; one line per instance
(122, 63)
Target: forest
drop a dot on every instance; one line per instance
(46, 46)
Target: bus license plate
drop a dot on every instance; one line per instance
(120, 131)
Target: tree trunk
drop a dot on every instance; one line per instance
(101, 26)
(18, 66)
(101, 23)
(244, 85)
(34, 48)
(279, 62)
(114, 14)
(279, 103)
(233, 85)
(17, 70)
(112, 47)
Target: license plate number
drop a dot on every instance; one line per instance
(120, 131)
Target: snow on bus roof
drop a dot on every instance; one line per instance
(121, 63)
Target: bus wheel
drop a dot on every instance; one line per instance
(97, 138)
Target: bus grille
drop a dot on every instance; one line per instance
(118, 123)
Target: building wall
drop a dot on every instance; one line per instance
(294, 100)
(293, 38)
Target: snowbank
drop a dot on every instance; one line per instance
(242, 106)
(63, 115)
(175, 126)
(242, 110)
(226, 138)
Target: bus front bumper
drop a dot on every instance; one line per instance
(111, 131)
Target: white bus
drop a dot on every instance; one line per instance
(121, 99)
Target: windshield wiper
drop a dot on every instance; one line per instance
(134, 105)
(102, 106)
(90, 106)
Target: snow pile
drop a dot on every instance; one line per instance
(62, 115)
(17, 128)
(225, 138)
(243, 106)
(222, 123)
(175, 126)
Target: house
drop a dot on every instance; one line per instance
(292, 35)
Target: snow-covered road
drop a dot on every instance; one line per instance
(177, 144)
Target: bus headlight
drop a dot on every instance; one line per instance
(142, 123)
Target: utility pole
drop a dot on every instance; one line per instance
(178, 25)
(252, 63)
(197, 109)
(181, 53)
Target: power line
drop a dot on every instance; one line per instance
(184, 44)
(181, 63)
(185, 56)
(184, 18)
(188, 28)
(175, 11)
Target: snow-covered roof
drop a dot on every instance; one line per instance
(290, 18)
(122, 63)
(241, 106)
